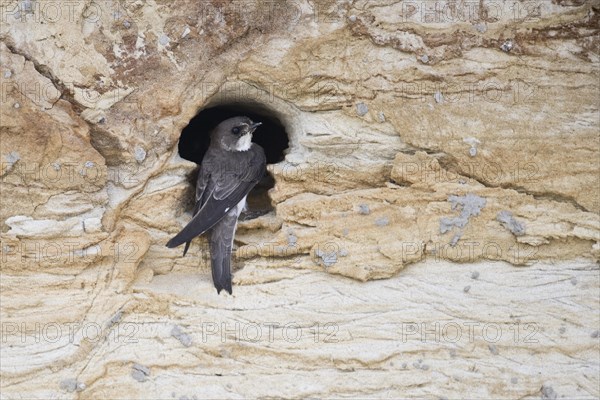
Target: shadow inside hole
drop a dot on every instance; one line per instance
(271, 136)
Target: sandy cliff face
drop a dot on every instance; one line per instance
(435, 226)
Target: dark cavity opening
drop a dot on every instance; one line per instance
(271, 136)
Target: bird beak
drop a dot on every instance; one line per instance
(254, 126)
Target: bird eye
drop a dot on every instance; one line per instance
(235, 130)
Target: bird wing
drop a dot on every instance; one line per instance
(187, 244)
(201, 183)
(228, 184)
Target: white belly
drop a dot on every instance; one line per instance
(237, 210)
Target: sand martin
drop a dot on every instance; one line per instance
(229, 170)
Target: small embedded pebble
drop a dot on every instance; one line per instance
(424, 367)
(381, 116)
(292, 239)
(126, 24)
(466, 289)
(383, 221)
(595, 334)
(438, 97)
(343, 253)
(562, 330)
(508, 221)
(362, 109)
(493, 349)
(548, 393)
(424, 58)
(70, 385)
(573, 281)
(475, 275)
(329, 258)
(452, 352)
(164, 40)
(17, 105)
(7, 73)
(139, 153)
(481, 28)
(353, 18)
(455, 239)
(404, 365)
(364, 209)
(507, 46)
(183, 337)
(115, 318)
(473, 151)
(139, 372)
(514, 380)
(139, 376)
(13, 157)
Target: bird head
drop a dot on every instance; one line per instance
(234, 134)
